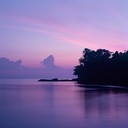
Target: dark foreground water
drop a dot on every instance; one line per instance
(30, 104)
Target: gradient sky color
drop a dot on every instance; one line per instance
(31, 30)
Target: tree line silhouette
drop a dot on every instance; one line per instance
(102, 67)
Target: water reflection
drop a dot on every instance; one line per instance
(61, 105)
(106, 107)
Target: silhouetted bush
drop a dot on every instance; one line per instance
(102, 67)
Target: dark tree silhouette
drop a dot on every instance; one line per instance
(102, 67)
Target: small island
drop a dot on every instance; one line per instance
(56, 80)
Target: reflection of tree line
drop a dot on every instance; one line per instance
(106, 103)
(102, 67)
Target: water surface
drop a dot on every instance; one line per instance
(32, 104)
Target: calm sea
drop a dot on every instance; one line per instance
(31, 104)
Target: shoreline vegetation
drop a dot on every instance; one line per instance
(102, 67)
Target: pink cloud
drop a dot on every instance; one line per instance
(90, 37)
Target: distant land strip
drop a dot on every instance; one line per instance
(56, 80)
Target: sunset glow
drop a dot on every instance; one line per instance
(33, 30)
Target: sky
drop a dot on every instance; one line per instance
(31, 30)
(16, 70)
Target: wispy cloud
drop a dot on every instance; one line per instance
(90, 37)
(75, 23)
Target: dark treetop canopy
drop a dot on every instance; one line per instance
(102, 67)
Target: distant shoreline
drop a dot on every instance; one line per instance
(98, 86)
(56, 80)
(104, 86)
(85, 85)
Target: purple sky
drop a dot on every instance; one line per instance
(31, 30)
